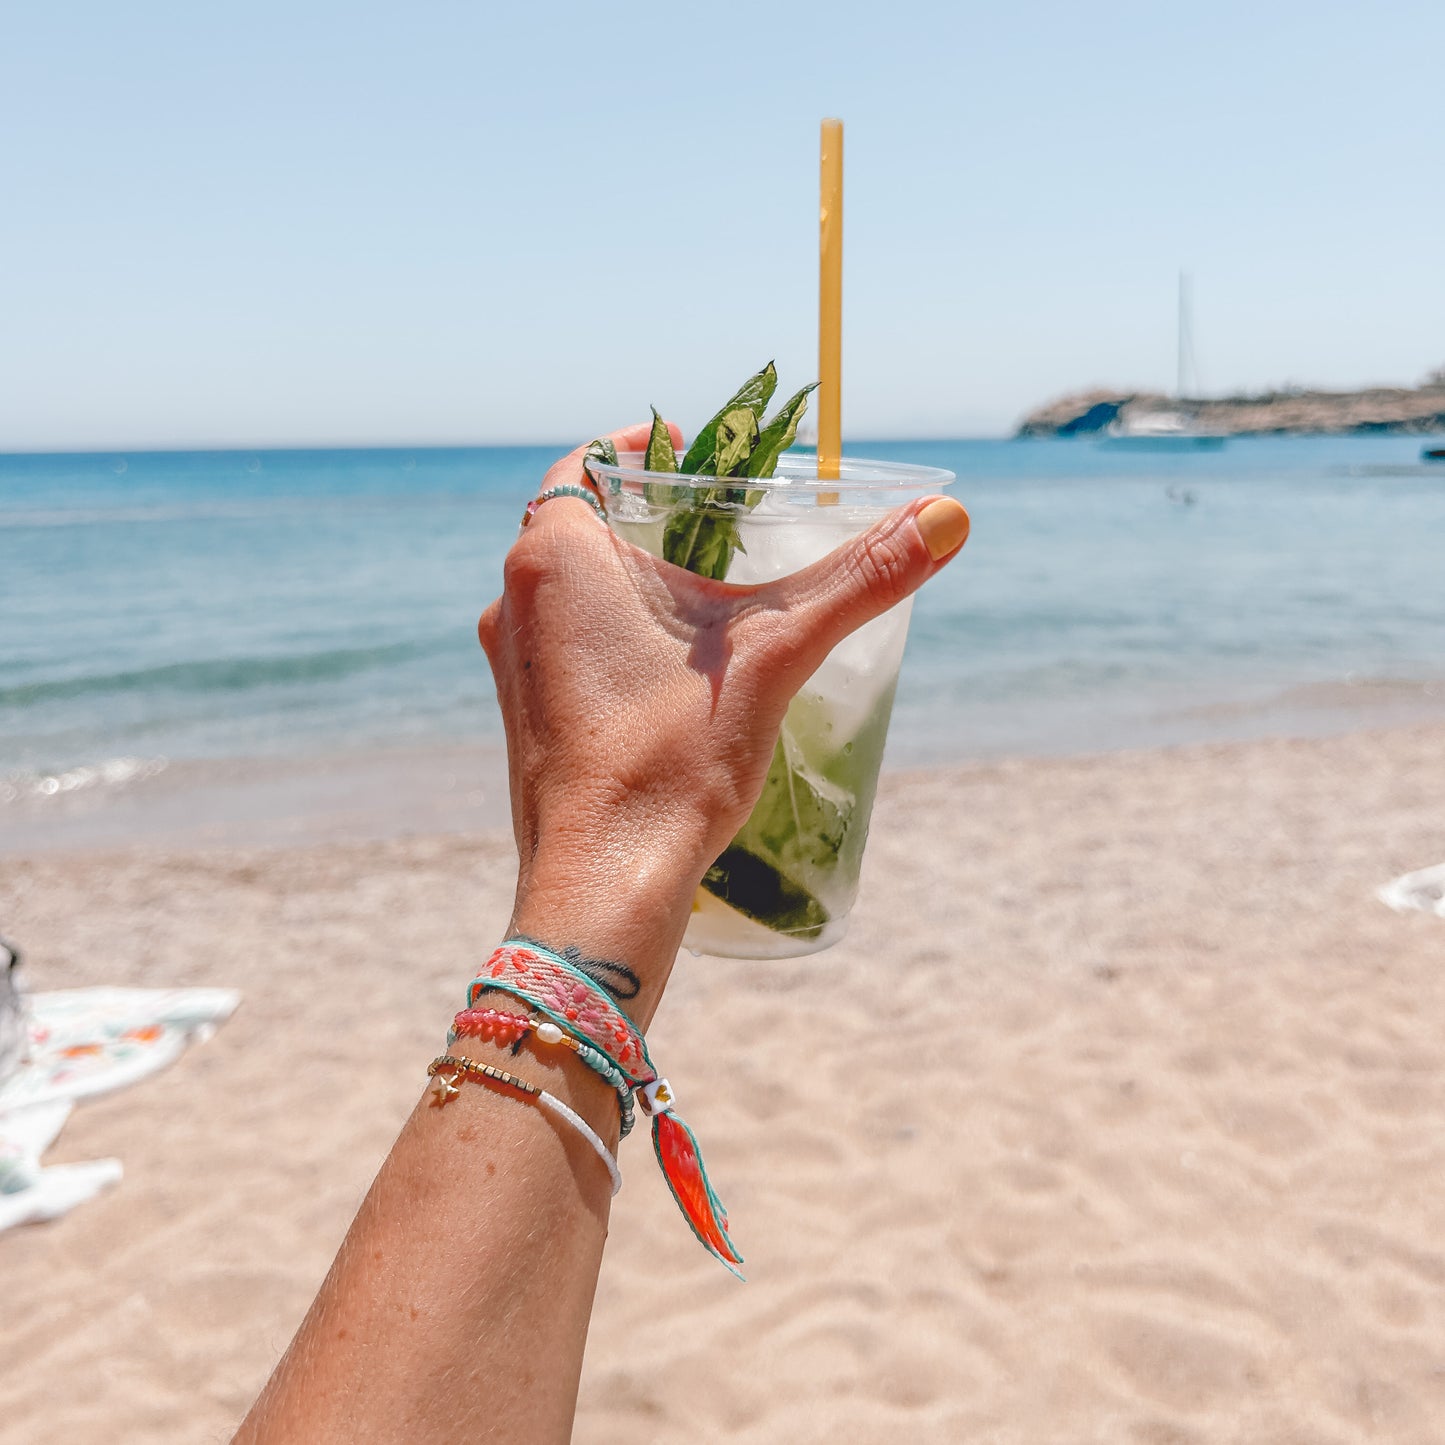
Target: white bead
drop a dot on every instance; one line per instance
(549, 1033)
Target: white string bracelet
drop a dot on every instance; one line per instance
(445, 1090)
(552, 1102)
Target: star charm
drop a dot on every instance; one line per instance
(444, 1090)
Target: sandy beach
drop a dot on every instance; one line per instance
(1119, 1117)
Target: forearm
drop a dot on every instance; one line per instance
(461, 1296)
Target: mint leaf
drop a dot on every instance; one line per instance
(701, 530)
(737, 430)
(778, 435)
(701, 534)
(660, 455)
(807, 816)
(602, 450)
(755, 394)
(660, 458)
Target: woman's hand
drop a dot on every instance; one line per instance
(642, 705)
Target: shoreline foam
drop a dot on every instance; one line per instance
(459, 786)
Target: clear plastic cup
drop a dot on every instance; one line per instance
(786, 883)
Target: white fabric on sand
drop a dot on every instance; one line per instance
(82, 1042)
(1424, 890)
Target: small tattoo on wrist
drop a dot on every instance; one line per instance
(616, 978)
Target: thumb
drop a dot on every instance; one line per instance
(869, 574)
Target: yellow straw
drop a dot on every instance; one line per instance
(830, 308)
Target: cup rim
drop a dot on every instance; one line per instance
(855, 474)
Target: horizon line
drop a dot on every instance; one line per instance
(181, 448)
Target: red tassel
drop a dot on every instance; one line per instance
(682, 1166)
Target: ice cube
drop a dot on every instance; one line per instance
(785, 533)
(860, 670)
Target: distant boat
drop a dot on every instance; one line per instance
(1159, 431)
(1166, 430)
(1433, 454)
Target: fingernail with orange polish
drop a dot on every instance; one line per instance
(943, 525)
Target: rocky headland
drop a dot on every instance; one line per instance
(1404, 409)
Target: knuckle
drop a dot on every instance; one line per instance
(487, 628)
(528, 560)
(881, 567)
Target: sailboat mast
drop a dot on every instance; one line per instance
(1185, 343)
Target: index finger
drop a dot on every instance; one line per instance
(868, 574)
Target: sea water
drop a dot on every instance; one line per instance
(173, 611)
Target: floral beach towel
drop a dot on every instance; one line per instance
(82, 1042)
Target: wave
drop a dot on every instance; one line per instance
(261, 509)
(23, 517)
(113, 772)
(230, 674)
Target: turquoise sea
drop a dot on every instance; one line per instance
(162, 609)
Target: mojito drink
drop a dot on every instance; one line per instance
(785, 884)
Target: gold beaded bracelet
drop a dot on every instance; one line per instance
(446, 1089)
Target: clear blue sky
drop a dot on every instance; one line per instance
(322, 222)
